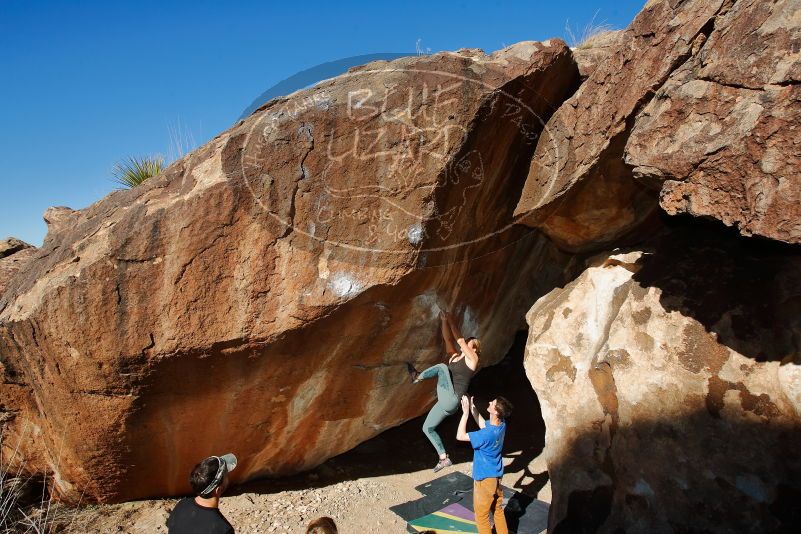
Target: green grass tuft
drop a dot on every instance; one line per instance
(135, 170)
(592, 30)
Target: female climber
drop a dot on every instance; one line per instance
(452, 382)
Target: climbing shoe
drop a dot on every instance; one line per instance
(413, 374)
(442, 464)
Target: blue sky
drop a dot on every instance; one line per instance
(85, 84)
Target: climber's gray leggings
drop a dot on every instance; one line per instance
(447, 403)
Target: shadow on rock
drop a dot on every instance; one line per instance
(746, 291)
(689, 473)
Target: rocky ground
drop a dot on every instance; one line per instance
(357, 488)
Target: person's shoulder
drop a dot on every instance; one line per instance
(182, 503)
(495, 429)
(219, 523)
(179, 513)
(226, 527)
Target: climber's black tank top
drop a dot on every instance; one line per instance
(460, 376)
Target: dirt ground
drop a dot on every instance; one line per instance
(357, 488)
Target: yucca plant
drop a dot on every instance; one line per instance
(135, 170)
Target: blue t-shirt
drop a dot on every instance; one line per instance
(487, 447)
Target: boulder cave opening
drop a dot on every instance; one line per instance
(405, 449)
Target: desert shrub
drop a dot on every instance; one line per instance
(135, 170)
(592, 31)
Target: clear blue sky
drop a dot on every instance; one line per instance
(83, 85)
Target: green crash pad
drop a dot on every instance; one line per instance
(454, 518)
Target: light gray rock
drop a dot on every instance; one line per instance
(669, 384)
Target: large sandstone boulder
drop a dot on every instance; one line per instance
(263, 294)
(579, 191)
(695, 109)
(721, 135)
(670, 384)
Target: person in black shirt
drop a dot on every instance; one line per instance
(452, 381)
(201, 514)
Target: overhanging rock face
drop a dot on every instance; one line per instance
(262, 295)
(721, 136)
(695, 110)
(579, 191)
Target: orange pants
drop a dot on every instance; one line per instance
(488, 498)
